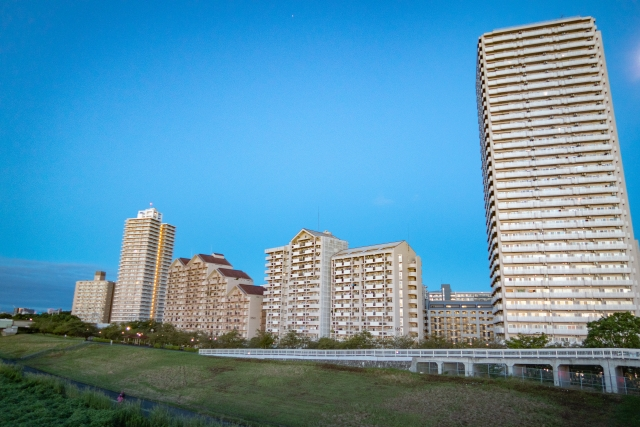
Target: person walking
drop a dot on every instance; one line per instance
(121, 397)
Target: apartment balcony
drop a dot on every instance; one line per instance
(575, 235)
(576, 246)
(569, 259)
(562, 271)
(497, 308)
(569, 294)
(556, 172)
(538, 225)
(572, 307)
(554, 192)
(375, 304)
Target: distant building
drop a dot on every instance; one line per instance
(206, 294)
(54, 310)
(147, 249)
(298, 276)
(459, 316)
(445, 294)
(23, 310)
(377, 289)
(92, 299)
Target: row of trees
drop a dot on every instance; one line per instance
(619, 330)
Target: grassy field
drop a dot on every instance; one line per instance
(21, 345)
(309, 394)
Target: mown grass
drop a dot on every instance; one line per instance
(42, 400)
(311, 394)
(21, 345)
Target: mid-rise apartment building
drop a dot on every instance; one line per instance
(147, 249)
(206, 294)
(560, 239)
(459, 316)
(298, 276)
(92, 299)
(379, 289)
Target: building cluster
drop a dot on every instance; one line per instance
(559, 234)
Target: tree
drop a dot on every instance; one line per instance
(262, 340)
(619, 330)
(435, 341)
(361, 340)
(231, 339)
(401, 341)
(290, 340)
(528, 341)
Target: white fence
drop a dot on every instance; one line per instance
(407, 355)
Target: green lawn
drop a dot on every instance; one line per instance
(21, 345)
(309, 394)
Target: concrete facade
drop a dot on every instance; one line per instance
(298, 289)
(379, 289)
(206, 294)
(561, 245)
(147, 249)
(92, 299)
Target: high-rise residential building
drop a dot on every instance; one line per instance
(560, 238)
(298, 276)
(378, 289)
(458, 316)
(147, 249)
(445, 294)
(92, 299)
(206, 294)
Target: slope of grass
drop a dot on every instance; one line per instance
(310, 394)
(41, 400)
(21, 345)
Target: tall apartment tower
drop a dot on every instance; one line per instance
(298, 276)
(560, 239)
(147, 249)
(379, 289)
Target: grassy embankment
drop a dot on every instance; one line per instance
(309, 394)
(42, 400)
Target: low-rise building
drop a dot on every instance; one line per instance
(206, 294)
(377, 289)
(92, 299)
(459, 316)
(23, 310)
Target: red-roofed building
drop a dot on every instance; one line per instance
(207, 294)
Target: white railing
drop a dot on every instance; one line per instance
(403, 354)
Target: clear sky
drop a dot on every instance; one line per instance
(241, 121)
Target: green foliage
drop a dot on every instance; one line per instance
(62, 324)
(361, 340)
(528, 341)
(262, 340)
(435, 342)
(5, 316)
(291, 340)
(231, 339)
(42, 400)
(619, 330)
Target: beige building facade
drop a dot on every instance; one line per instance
(378, 289)
(206, 294)
(298, 284)
(561, 245)
(147, 249)
(92, 299)
(459, 316)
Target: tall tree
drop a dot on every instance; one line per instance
(619, 330)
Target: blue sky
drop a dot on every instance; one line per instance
(241, 120)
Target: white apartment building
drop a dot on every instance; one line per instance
(147, 249)
(298, 276)
(92, 299)
(560, 238)
(379, 289)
